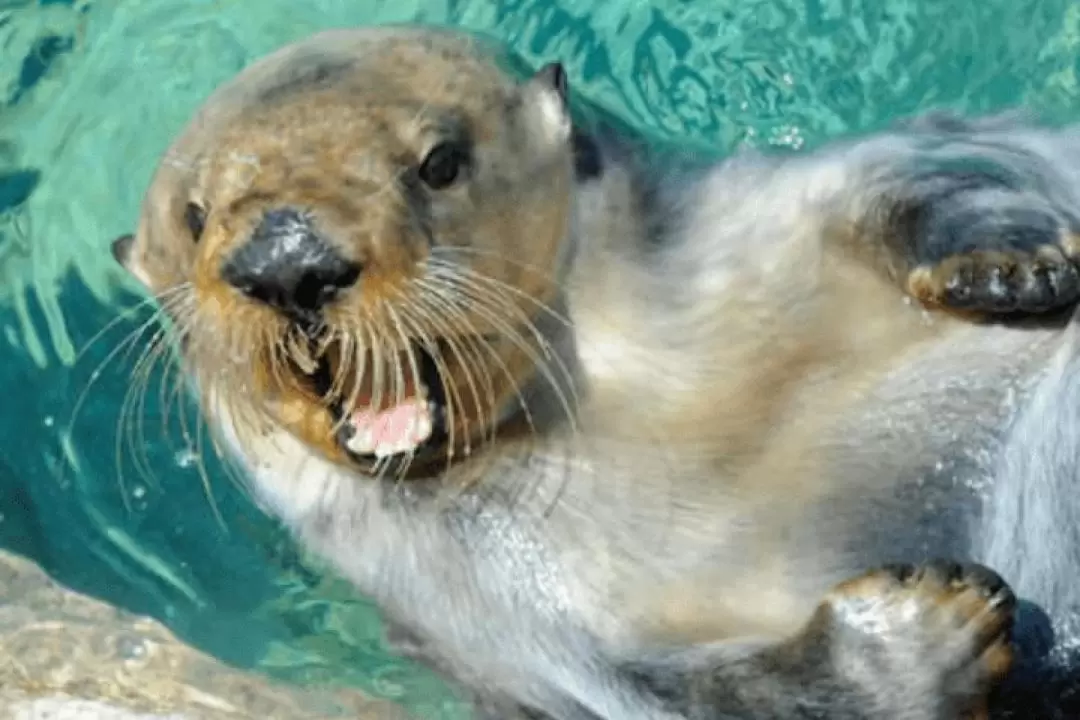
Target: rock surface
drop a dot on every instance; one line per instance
(66, 656)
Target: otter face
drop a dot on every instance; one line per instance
(353, 240)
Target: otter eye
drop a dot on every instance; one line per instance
(195, 217)
(443, 165)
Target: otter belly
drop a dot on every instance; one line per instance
(969, 449)
(934, 458)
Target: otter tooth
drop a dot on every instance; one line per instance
(362, 442)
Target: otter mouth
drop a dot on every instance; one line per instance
(406, 420)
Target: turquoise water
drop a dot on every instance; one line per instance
(92, 91)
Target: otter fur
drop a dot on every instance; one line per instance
(615, 430)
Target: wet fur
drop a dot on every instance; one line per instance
(765, 414)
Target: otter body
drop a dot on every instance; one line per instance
(731, 387)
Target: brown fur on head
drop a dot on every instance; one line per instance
(337, 132)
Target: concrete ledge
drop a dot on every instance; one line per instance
(65, 656)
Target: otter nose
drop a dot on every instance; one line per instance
(287, 265)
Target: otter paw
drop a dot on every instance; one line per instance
(1036, 280)
(987, 236)
(922, 641)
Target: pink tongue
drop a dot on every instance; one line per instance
(397, 429)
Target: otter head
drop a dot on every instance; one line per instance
(354, 237)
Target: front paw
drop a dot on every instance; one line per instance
(988, 239)
(1039, 280)
(920, 641)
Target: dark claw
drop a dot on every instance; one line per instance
(900, 571)
(990, 241)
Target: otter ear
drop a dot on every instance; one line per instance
(123, 252)
(546, 94)
(553, 76)
(121, 249)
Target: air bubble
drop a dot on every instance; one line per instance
(131, 648)
(186, 458)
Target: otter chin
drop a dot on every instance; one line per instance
(612, 429)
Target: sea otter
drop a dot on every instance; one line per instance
(616, 430)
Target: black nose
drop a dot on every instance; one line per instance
(289, 266)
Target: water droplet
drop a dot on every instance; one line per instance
(186, 458)
(130, 647)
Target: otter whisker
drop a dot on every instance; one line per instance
(399, 383)
(450, 338)
(219, 379)
(360, 352)
(300, 350)
(455, 271)
(417, 316)
(568, 404)
(478, 341)
(476, 345)
(277, 353)
(389, 383)
(505, 328)
(488, 420)
(130, 341)
(436, 310)
(455, 311)
(439, 253)
(378, 351)
(425, 337)
(193, 437)
(346, 349)
(471, 363)
(445, 309)
(148, 350)
(128, 427)
(124, 314)
(456, 416)
(469, 283)
(162, 352)
(199, 451)
(181, 331)
(414, 369)
(133, 409)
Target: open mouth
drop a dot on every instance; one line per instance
(406, 419)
